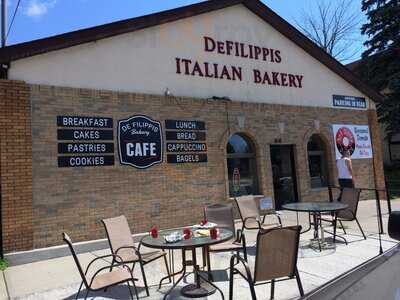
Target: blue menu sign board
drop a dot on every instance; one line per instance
(349, 101)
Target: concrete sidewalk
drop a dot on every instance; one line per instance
(59, 279)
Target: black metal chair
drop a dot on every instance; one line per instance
(351, 197)
(276, 260)
(121, 242)
(222, 215)
(104, 277)
(250, 214)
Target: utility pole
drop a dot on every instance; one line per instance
(3, 22)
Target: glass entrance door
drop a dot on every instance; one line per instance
(284, 175)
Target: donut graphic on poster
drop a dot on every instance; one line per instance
(345, 140)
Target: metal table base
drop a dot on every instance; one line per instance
(202, 286)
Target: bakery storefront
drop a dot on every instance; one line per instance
(151, 117)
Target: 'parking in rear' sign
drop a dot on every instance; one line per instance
(140, 142)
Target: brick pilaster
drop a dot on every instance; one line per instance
(16, 165)
(379, 174)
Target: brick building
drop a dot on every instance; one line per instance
(150, 116)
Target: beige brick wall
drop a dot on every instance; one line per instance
(75, 200)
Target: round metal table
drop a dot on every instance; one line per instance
(315, 209)
(202, 286)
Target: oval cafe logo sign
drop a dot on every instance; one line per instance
(140, 142)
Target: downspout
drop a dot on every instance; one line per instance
(3, 75)
(1, 214)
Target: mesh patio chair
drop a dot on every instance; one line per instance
(121, 243)
(250, 214)
(276, 260)
(351, 197)
(222, 215)
(101, 280)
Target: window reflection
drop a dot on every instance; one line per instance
(317, 163)
(241, 155)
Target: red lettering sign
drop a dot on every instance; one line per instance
(188, 67)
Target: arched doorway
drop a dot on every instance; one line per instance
(241, 154)
(317, 162)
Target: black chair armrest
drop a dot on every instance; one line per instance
(243, 239)
(278, 214)
(127, 247)
(240, 237)
(245, 264)
(130, 247)
(114, 256)
(239, 234)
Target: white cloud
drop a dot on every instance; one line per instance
(38, 8)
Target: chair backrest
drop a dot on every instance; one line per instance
(276, 254)
(118, 233)
(258, 199)
(68, 241)
(247, 207)
(222, 214)
(350, 197)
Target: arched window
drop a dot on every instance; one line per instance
(241, 154)
(317, 162)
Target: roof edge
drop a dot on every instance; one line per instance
(310, 47)
(87, 35)
(91, 34)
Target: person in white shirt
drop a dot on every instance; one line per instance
(345, 170)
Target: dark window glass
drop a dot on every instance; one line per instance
(241, 155)
(317, 162)
(238, 144)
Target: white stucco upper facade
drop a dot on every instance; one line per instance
(153, 59)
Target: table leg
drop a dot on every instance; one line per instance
(334, 233)
(171, 259)
(183, 271)
(322, 230)
(201, 287)
(195, 269)
(316, 235)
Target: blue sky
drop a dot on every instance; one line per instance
(41, 18)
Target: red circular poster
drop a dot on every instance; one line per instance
(345, 140)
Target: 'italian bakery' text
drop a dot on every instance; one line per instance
(190, 67)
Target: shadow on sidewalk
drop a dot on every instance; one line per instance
(118, 292)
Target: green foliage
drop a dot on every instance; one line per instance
(392, 175)
(3, 264)
(383, 28)
(382, 58)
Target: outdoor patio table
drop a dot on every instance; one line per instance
(315, 209)
(201, 287)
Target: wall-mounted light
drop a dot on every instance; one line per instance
(220, 98)
(167, 92)
(317, 125)
(241, 119)
(281, 126)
